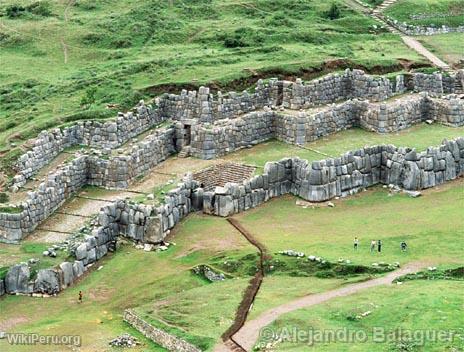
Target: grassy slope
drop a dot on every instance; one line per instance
(448, 46)
(329, 232)
(413, 305)
(120, 46)
(437, 12)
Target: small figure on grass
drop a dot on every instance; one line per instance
(373, 246)
(403, 246)
(379, 246)
(355, 243)
(80, 296)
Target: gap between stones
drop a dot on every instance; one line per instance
(250, 292)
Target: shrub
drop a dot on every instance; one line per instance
(14, 11)
(39, 8)
(334, 12)
(89, 97)
(4, 197)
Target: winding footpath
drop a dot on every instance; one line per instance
(248, 335)
(411, 42)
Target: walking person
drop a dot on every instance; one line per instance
(356, 243)
(372, 246)
(379, 246)
(80, 296)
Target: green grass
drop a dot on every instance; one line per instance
(123, 47)
(431, 225)
(415, 305)
(129, 278)
(436, 12)
(15, 254)
(448, 46)
(420, 136)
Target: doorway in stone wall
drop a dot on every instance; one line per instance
(187, 134)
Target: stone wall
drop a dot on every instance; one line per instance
(224, 136)
(338, 177)
(162, 338)
(114, 172)
(102, 134)
(206, 108)
(410, 29)
(118, 171)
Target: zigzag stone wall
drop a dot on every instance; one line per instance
(222, 137)
(323, 180)
(206, 108)
(316, 181)
(114, 172)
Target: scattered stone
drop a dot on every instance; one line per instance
(125, 340)
(330, 204)
(413, 194)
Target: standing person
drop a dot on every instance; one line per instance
(379, 246)
(80, 296)
(403, 246)
(356, 243)
(372, 246)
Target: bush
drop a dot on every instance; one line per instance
(334, 12)
(14, 11)
(39, 8)
(4, 197)
(89, 97)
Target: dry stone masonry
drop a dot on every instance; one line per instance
(210, 126)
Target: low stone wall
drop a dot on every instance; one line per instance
(323, 180)
(410, 29)
(162, 338)
(118, 171)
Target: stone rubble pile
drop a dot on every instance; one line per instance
(125, 340)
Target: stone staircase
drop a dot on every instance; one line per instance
(383, 6)
(220, 174)
(184, 153)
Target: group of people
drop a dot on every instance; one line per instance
(378, 244)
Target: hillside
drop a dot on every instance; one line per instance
(65, 61)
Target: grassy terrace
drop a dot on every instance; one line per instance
(432, 12)
(118, 52)
(420, 136)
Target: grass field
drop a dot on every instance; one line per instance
(431, 225)
(115, 50)
(448, 46)
(417, 305)
(432, 12)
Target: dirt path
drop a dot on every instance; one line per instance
(408, 40)
(249, 334)
(66, 18)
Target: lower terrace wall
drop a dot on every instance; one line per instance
(323, 180)
(162, 338)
